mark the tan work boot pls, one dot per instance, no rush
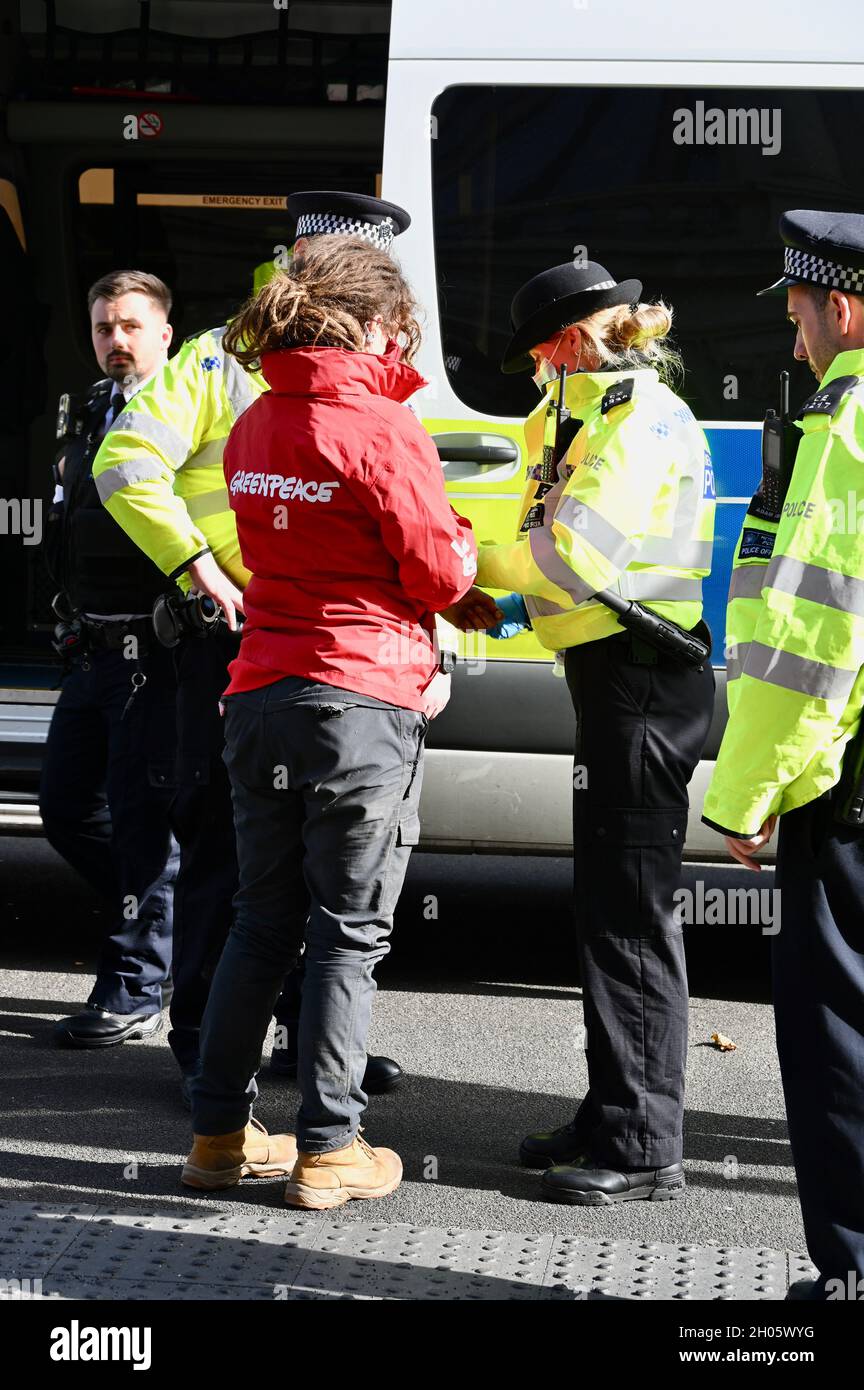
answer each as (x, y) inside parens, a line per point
(221, 1160)
(321, 1181)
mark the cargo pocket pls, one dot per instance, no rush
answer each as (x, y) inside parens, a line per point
(408, 830)
(162, 773)
(632, 865)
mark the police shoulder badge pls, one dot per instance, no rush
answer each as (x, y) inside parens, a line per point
(826, 400)
(618, 394)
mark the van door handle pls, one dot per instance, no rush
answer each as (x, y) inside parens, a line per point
(492, 457)
(479, 453)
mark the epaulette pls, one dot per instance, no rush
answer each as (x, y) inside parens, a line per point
(826, 401)
(98, 391)
(618, 394)
(193, 337)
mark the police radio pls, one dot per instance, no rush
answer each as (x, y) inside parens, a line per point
(780, 440)
(547, 473)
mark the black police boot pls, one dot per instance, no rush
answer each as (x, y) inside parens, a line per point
(96, 1027)
(805, 1291)
(382, 1073)
(562, 1145)
(187, 1076)
(586, 1184)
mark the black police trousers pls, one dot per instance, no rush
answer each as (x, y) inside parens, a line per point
(818, 976)
(105, 800)
(203, 823)
(641, 722)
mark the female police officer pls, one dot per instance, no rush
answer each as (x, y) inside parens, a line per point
(631, 511)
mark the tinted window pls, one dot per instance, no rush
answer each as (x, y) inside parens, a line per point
(205, 250)
(522, 175)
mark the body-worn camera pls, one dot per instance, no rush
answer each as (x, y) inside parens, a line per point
(176, 616)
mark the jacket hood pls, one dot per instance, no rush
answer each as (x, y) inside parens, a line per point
(329, 371)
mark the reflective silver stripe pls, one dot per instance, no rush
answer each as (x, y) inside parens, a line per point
(238, 388)
(611, 543)
(798, 673)
(677, 554)
(747, 581)
(173, 445)
(547, 559)
(208, 504)
(819, 585)
(123, 474)
(638, 585)
(735, 659)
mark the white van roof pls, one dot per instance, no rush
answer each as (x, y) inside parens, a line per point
(624, 30)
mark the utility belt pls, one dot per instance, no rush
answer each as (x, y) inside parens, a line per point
(635, 649)
(77, 635)
(111, 635)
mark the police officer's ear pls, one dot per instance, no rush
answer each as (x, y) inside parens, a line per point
(846, 312)
(167, 335)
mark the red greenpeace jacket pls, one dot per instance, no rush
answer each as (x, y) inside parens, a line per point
(344, 522)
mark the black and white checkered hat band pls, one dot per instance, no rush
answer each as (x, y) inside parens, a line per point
(329, 223)
(804, 266)
(601, 285)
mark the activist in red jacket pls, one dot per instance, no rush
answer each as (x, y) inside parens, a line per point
(344, 522)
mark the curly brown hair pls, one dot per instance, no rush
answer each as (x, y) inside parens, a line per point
(324, 299)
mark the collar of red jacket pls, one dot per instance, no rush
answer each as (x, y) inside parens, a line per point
(329, 371)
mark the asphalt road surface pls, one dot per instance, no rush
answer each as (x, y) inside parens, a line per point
(481, 1006)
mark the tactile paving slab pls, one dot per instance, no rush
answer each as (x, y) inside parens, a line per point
(417, 1263)
(84, 1252)
(32, 1237)
(180, 1249)
(656, 1270)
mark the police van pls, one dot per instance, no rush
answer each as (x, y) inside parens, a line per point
(662, 140)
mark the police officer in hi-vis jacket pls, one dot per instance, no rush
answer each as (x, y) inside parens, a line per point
(631, 511)
(793, 745)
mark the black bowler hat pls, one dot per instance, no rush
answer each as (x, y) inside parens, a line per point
(325, 212)
(822, 248)
(556, 299)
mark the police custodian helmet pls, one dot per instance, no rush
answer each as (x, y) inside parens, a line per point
(325, 212)
(822, 248)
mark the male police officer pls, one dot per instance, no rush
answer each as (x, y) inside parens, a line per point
(160, 475)
(796, 698)
(107, 771)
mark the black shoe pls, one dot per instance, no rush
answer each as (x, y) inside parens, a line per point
(563, 1145)
(187, 1077)
(585, 1184)
(96, 1027)
(805, 1291)
(382, 1073)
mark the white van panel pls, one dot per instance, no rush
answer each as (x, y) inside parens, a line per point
(772, 30)
(522, 803)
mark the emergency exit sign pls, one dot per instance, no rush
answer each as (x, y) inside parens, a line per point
(212, 200)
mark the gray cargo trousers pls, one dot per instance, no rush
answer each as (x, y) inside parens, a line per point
(326, 785)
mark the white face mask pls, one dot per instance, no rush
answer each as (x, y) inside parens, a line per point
(546, 372)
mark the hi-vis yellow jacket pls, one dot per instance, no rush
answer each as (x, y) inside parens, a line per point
(632, 511)
(159, 468)
(799, 647)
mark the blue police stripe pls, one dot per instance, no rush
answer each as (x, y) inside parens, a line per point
(737, 460)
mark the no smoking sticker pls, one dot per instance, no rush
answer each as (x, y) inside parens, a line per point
(150, 123)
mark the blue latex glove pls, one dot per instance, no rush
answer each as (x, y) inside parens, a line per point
(515, 618)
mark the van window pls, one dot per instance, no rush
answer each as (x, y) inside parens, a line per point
(523, 177)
